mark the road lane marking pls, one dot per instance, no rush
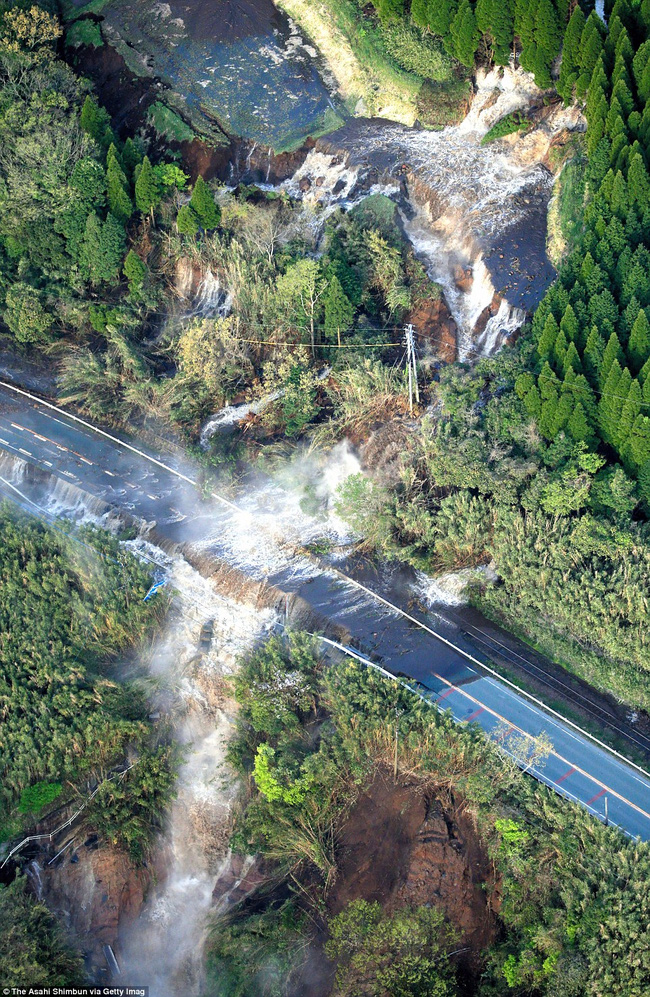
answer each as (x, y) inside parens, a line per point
(474, 715)
(445, 694)
(26, 452)
(510, 729)
(375, 596)
(596, 797)
(565, 776)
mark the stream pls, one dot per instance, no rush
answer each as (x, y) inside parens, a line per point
(464, 206)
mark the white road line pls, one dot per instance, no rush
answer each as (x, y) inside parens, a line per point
(26, 452)
(374, 595)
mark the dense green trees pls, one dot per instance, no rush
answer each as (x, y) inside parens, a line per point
(32, 946)
(66, 186)
(605, 283)
(62, 606)
(558, 869)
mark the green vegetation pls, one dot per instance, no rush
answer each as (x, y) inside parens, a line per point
(34, 799)
(32, 946)
(169, 124)
(416, 52)
(380, 62)
(65, 607)
(566, 211)
(508, 125)
(557, 868)
(400, 954)
(84, 33)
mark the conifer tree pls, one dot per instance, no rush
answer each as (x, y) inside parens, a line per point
(135, 271)
(548, 337)
(439, 16)
(131, 157)
(559, 351)
(638, 347)
(644, 374)
(607, 405)
(571, 360)
(638, 182)
(578, 425)
(591, 47)
(640, 442)
(387, 10)
(562, 414)
(203, 204)
(533, 402)
(102, 249)
(548, 38)
(630, 409)
(465, 34)
(147, 189)
(186, 221)
(644, 85)
(119, 202)
(94, 120)
(338, 310)
(613, 353)
(570, 68)
(569, 324)
(622, 94)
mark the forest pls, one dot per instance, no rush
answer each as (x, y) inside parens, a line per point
(68, 606)
(311, 736)
(537, 459)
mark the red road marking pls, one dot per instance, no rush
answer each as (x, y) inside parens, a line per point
(448, 691)
(505, 733)
(474, 715)
(596, 797)
(565, 776)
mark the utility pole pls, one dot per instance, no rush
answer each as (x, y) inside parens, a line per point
(411, 363)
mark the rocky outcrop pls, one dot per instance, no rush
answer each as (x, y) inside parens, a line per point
(436, 328)
(97, 893)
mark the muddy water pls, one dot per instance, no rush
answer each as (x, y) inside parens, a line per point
(465, 205)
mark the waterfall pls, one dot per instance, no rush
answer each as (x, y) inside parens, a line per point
(164, 948)
(211, 299)
(473, 206)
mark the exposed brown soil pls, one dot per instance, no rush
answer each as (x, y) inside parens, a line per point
(436, 326)
(97, 894)
(404, 845)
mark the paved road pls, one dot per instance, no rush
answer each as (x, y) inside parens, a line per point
(430, 652)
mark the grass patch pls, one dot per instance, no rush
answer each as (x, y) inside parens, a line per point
(84, 33)
(169, 124)
(34, 799)
(416, 52)
(359, 58)
(508, 125)
(442, 104)
(565, 214)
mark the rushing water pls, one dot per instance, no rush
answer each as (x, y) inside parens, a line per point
(164, 948)
(467, 205)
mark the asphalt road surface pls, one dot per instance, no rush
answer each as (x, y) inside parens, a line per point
(429, 651)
